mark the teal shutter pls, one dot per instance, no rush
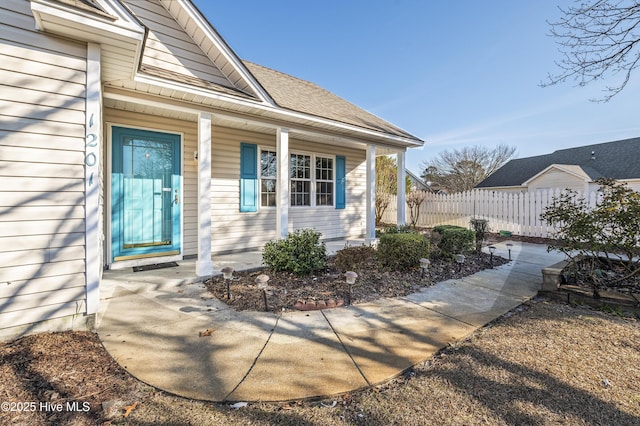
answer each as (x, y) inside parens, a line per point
(341, 182)
(248, 177)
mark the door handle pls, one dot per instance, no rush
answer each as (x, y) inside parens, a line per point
(176, 198)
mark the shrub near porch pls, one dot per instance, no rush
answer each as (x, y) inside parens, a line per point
(402, 251)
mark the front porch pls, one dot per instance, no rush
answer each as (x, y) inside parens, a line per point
(185, 272)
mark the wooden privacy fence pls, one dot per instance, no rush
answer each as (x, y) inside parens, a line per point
(518, 213)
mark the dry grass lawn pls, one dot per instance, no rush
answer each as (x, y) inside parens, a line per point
(545, 363)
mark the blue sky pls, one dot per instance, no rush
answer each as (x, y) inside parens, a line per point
(452, 73)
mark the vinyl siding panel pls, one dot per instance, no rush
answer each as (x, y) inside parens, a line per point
(558, 179)
(170, 48)
(634, 184)
(189, 131)
(41, 171)
(230, 229)
(38, 285)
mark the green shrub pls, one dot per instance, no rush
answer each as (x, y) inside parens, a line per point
(301, 253)
(402, 251)
(441, 228)
(455, 239)
(480, 227)
(402, 229)
(609, 230)
(354, 258)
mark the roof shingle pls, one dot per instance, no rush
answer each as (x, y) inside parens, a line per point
(303, 96)
(616, 160)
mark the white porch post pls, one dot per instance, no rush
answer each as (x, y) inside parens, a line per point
(370, 232)
(282, 182)
(204, 266)
(402, 189)
(93, 130)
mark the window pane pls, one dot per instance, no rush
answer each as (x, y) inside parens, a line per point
(300, 193)
(324, 193)
(268, 192)
(324, 168)
(268, 164)
(300, 166)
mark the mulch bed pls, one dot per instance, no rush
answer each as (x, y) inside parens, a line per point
(286, 290)
(62, 378)
(602, 275)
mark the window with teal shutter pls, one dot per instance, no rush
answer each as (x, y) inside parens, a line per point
(341, 182)
(248, 177)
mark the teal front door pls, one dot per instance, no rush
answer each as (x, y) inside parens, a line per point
(145, 191)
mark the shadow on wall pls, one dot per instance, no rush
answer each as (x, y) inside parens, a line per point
(42, 253)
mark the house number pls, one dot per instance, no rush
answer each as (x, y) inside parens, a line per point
(90, 158)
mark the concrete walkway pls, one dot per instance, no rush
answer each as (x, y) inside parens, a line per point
(151, 325)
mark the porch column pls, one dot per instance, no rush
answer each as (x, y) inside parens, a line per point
(402, 188)
(92, 211)
(282, 182)
(204, 266)
(370, 232)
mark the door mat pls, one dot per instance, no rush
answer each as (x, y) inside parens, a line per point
(154, 266)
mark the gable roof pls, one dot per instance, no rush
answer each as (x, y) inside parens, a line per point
(306, 97)
(617, 160)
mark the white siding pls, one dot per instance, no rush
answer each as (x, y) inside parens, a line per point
(189, 131)
(170, 48)
(555, 178)
(230, 229)
(41, 171)
(633, 184)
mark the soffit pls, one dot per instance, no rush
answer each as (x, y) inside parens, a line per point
(123, 100)
(106, 23)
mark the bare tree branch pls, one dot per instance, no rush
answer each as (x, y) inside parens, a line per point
(461, 170)
(598, 40)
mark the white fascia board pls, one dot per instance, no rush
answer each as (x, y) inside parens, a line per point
(279, 113)
(95, 26)
(224, 48)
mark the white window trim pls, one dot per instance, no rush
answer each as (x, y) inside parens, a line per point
(333, 180)
(313, 193)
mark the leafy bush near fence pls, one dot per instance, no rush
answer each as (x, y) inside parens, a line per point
(301, 253)
(454, 239)
(609, 230)
(402, 251)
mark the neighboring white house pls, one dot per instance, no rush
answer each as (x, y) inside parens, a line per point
(572, 168)
(131, 133)
(417, 184)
